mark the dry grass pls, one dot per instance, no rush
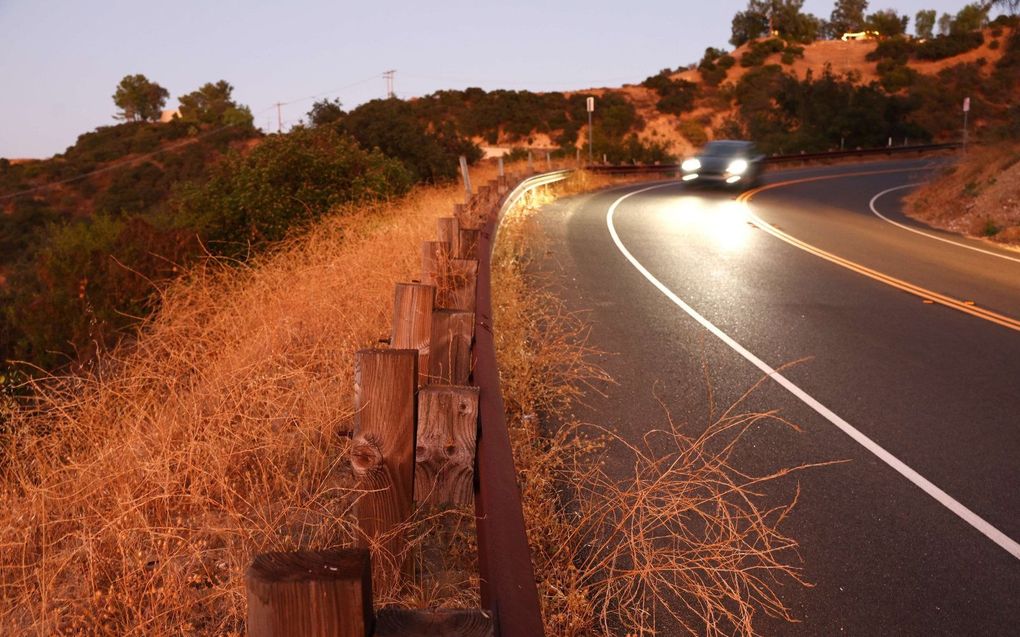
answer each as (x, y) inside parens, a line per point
(686, 542)
(979, 196)
(133, 498)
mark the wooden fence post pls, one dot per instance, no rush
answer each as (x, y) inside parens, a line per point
(456, 289)
(382, 450)
(310, 594)
(468, 244)
(412, 321)
(434, 623)
(445, 452)
(435, 257)
(450, 354)
(448, 230)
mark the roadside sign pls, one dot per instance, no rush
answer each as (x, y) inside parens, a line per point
(591, 104)
(966, 104)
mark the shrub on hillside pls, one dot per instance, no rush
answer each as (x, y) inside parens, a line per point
(286, 181)
(947, 46)
(760, 50)
(391, 125)
(898, 49)
(90, 280)
(693, 132)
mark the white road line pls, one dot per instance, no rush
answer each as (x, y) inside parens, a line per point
(871, 204)
(920, 481)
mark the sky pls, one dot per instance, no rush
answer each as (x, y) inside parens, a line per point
(61, 60)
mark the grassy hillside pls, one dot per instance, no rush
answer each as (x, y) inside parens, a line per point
(788, 96)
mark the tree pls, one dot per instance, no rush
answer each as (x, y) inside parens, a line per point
(847, 17)
(924, 23)
(945, 24)
(887, 23)
(213, 104)
(971, 17)
(139, 99)
(750, 24)
(325, 112)
(1009, 6)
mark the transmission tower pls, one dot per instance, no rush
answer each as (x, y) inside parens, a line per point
(389, 83)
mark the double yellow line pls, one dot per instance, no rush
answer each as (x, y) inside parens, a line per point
(924, 293)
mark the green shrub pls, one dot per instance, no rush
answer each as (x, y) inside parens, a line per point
(286, 181)
(993, 45)
(787, 58)
(947, 46)
(760, 50)
(693, 132)
(898, 49)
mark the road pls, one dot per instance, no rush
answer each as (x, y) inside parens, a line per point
(693, 294)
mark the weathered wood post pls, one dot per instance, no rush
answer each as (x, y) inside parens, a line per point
(310, 594)
(435, 257)
(450, 355)
(468, 244)
(456, 288)
(412, 321)
(445, 452)
(382, 449)
(448, 230)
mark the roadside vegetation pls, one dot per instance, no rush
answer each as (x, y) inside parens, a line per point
(686, 540)
(977, 196)
(134, 493)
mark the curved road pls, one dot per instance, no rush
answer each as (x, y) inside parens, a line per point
(697, 295)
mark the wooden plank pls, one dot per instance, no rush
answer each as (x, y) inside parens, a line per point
(455, 289)
(445, 451)
(310, 593)
(450, 353)
(434, 257)
(412, 321)
(448, 230)
(468, 244)
(382, 450)
(393, 622)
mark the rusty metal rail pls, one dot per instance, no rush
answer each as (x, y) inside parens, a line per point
(887, 151)
(507, 577)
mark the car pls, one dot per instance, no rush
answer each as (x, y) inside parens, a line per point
(726, 161)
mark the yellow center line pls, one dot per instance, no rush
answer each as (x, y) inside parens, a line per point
(966, 307)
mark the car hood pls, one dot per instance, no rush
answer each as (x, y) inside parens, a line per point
(715, 164)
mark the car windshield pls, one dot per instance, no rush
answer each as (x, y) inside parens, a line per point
(726, 149)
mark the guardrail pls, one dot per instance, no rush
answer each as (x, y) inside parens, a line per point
(504, 557)
(429, 430)
(886, 151)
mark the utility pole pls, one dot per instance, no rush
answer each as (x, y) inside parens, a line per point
(389, 83)
(279, 117)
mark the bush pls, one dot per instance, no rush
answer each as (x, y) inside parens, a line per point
(286, 181)
(947, 46)
(693, 132)
(993, 45)
(760, 50)
(897, 49)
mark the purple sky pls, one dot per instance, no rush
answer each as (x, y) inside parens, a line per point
(60, 62)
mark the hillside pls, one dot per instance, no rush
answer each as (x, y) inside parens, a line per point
(672, 113)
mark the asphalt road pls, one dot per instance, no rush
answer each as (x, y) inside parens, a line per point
(929, 386)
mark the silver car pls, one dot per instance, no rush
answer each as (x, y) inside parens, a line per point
(731, 162)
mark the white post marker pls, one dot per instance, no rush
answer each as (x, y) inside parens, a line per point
(500, 165)
(966, 110)
(464, 173)
(590, 105)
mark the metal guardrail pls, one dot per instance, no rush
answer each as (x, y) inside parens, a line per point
(787, 159)
(504, 557)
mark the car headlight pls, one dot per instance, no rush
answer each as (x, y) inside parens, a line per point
(737, 167)
(690, 165)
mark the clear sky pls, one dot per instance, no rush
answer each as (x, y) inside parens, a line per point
(60, 61)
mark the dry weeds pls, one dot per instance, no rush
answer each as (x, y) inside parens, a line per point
(979, 196)
(686, 541)
(133, 498)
